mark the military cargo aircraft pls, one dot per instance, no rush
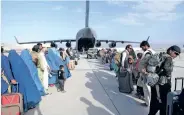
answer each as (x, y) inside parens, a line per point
(86, 38)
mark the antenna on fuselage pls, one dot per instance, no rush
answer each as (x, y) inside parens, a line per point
(87, 14)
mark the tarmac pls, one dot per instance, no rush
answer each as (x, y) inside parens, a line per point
(93, 90)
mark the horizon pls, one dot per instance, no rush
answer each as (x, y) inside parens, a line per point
(130, 20)
(103, 45)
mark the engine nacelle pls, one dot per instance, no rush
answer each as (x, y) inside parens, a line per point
(112, 45)
(68, 44)
(98, 44)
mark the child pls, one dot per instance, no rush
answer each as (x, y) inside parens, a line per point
(139, 56)
(140, 93)
(61, 78)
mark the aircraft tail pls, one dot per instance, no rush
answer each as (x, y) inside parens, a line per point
(87, 14)
(148, 38)
(16, 40)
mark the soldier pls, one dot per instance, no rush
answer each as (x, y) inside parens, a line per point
(164, 83)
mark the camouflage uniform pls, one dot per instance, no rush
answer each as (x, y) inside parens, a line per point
(164, 87)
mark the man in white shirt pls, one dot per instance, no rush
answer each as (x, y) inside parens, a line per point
(146, 89)
(125, 54)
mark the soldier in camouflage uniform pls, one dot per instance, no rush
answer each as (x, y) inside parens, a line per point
(165, 73)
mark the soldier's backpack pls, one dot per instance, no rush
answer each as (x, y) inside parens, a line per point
(153, 67)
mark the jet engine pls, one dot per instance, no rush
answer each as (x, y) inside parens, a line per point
(98, 44)
(112, 44)
(68, 44)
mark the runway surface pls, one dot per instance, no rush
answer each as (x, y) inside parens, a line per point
(93, 90)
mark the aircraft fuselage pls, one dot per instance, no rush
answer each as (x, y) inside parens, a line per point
(85, 38)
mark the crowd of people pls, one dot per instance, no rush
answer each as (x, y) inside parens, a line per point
(150, 71)
(32, 71)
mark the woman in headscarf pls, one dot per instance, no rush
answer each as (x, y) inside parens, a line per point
(125, 77)
(52, 76)
(102, 55)
(5, 87)
(27, 87)
(132, 53)
(46, 69)
(7, 76)
(25, 55)
(36, 57)
(54, 61)
(116, 62)
(65, 59)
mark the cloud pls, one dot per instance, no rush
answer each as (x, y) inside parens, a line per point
(157, 5)
(130, 19)
(161, 16)
(57, 8)
(115, 2)
(157, 10)
(123, 3)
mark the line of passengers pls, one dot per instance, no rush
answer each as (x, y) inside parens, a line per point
(34, 71)
(141, 74)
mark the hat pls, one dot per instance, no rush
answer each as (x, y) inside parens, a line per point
(176, 49)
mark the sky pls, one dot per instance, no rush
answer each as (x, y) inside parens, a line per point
(129, 20)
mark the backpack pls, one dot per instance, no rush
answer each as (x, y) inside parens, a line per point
(143, 62)
(154, 62)
(153, 65)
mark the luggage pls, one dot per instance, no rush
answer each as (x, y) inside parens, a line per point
(12, 104)
(172, 99)
(125, 82)
(181, 102)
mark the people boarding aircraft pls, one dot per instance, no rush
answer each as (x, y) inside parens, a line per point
(86, 38)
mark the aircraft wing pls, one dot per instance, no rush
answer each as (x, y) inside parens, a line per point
(46, 41)
(121, 41)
